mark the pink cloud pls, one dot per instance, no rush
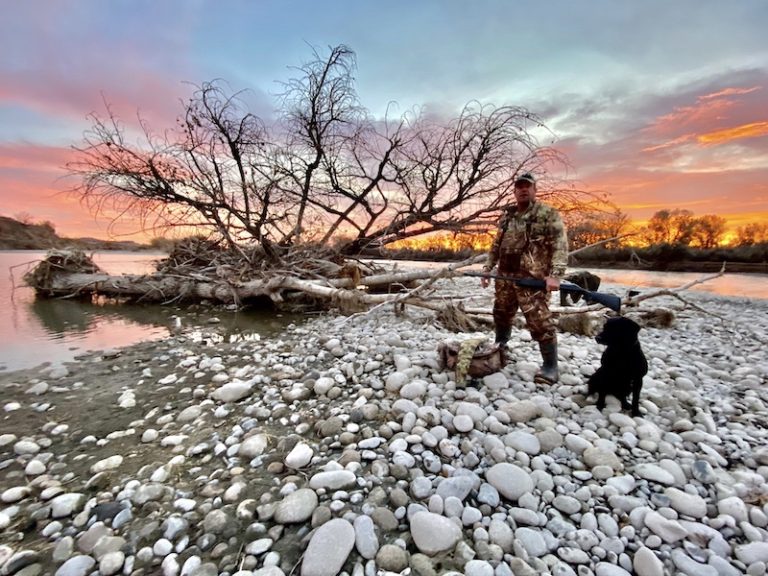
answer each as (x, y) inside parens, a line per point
(155, 97)
(34, 181)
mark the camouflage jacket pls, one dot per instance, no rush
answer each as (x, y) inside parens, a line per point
(532, 243)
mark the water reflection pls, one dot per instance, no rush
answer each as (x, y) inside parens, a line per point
(36, 331)
(60, 317)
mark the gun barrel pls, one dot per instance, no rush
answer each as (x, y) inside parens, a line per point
(607, 300)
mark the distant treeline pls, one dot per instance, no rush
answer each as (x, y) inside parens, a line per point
(677, 257)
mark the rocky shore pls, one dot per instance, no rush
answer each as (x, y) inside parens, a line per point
(341, 448)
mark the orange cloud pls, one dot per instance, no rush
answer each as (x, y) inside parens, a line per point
(679, 140)
(753, 130)
(703, 112)
(730, 92)
(706, 113)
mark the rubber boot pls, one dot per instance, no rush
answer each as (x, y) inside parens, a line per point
(548, 373)
(502, 334)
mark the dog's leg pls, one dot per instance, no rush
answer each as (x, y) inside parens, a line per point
(637, 385)
(625, 405)
(601, 400)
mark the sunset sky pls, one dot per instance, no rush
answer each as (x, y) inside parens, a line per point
(660, 103)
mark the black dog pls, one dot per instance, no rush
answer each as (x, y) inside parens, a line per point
(585, 280)
(622, 365)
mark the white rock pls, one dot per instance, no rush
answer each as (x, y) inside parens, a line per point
(401, 362)
(395, 381)
(253, 446)
(107, 464)
(328, 548)
(456, 486)
(689, 504)
(501, 534)
(14, 494)
(150, 435)
(522, 411)
(37, 389)
(162, 547)
(297, 506)
(403, 458)
(433, 533)
(170, 565)
(523, 441)
(606, 569)
(76, 566)
(752, 552)
(259, 546)
(413, 390)
(34, 468)
(266, 571)
(573, 555)
(6, 439)
(67, 504)
(511, 481)
(190, 413)
(366, 541)
(734, 507)
(654, 473)
(621, 420)
(623, 484)
(566, 504)
(668, 530)
(323, 385)
(646, 563)
(478, 568)
(300, 456)
(111, 563)
(173, 440)
(596, 457)
(577, 443)
(463, 423)
(496, 381)
(532, 540)
(332, 480)
(688, 565)
(232, 391)
(26, 447)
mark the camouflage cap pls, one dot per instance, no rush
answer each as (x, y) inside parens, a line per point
(527, 177)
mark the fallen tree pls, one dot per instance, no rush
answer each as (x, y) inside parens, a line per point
(315, 280)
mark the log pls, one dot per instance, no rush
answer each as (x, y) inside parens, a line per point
(56, 281)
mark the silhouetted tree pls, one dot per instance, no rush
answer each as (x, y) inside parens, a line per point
(670, 227)
(590, 227)
(754, 233)
(708, 230)
(324, 172)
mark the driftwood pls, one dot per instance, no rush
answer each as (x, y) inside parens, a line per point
(65, 274)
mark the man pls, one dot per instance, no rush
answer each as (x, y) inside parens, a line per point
(530, 243)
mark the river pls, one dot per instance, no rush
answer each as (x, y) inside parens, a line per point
(35, 331)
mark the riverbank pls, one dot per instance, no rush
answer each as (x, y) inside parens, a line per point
(187, 456)
(678, 266)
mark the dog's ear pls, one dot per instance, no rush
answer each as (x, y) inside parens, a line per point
(627, 330)
(629, 326)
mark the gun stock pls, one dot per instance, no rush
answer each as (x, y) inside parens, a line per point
(608, 300)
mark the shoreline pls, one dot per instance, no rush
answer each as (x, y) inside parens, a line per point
(703, 267)
(243, 458)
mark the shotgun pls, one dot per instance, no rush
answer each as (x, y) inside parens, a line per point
(607, 300)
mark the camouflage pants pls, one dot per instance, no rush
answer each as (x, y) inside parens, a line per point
(533, 303)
